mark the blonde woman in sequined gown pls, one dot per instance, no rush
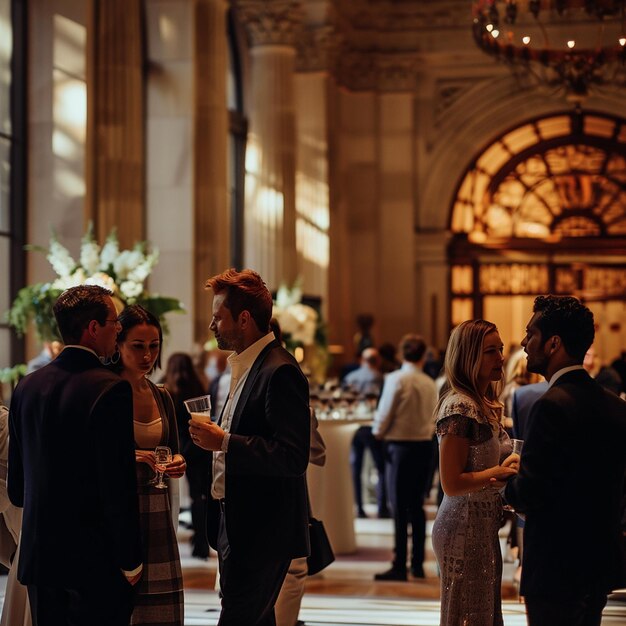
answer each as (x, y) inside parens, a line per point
(475, 462)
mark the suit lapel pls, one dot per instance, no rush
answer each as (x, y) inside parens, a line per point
(249, 384)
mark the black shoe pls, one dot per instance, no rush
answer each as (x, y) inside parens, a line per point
(384, 514)
(418, 572)
(392, 574)
(361, 514)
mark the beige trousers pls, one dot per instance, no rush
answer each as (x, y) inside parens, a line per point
(290, 597)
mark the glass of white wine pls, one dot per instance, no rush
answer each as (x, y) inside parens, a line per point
(162, 457)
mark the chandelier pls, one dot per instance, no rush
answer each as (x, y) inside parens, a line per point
(568, 44)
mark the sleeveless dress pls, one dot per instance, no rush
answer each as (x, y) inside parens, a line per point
(159, 593)
(465, 532)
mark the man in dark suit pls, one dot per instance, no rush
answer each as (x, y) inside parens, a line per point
(571, 474)
(72, 469)
(258, 514)
(523, 399)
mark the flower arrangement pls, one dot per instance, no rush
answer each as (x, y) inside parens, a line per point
(122, 272)
(302, 326)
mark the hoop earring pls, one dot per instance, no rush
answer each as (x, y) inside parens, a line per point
(116, 357)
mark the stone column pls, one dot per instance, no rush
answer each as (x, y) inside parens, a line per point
(116, 172)
(211, 240)
(270, 216)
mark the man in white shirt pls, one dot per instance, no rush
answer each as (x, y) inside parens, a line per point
(404, 420)
(258, 515)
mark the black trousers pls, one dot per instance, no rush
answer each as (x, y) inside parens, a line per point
(95, 604)
(407, 466)
(249, 585)
(364, 440)
(249, 590)
(582, 610)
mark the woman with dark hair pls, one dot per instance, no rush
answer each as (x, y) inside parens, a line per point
(475, 460)
(182, 381)
(159, 596)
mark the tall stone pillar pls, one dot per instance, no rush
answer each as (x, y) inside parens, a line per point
(116, 153)
(270, 213)
(210, 186)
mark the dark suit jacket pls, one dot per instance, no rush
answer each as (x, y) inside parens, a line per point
(72, 468)
(570, 487)
(524, 398)
(266, 511)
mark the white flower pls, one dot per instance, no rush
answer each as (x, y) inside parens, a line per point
(73, 280)
(102, 280)
(60, 259)
(90, 257)
(286, 297)
(131, 289)
(299, 321)
(142, 271)
(126, 262)
(109, 253)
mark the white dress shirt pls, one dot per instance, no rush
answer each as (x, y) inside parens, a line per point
(240, 365)
(407, 404)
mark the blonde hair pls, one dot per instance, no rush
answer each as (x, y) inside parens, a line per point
(462, 366)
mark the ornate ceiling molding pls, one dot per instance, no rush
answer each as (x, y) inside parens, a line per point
(372, 71)
(271, 22)
(317, 48)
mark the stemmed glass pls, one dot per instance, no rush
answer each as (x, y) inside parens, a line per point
(162, 457)
(516, 448)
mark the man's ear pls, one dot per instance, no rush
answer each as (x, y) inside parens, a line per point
(93, 328)
(245, 318)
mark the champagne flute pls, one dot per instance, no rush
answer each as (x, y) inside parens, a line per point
(516, 448)
(162, 457)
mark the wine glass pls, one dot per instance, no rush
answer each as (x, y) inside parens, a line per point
(162, 457)
(516, 448)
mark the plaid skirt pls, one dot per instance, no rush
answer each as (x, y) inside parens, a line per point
(159, 594)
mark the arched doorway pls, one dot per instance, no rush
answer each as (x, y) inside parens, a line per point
(542, 209)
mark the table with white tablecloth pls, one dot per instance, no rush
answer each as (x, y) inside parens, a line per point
(330, 486)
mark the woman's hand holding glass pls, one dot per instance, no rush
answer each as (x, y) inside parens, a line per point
(177, 467)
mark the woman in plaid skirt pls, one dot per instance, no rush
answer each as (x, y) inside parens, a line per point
(159, 600)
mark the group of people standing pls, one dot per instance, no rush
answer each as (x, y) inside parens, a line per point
(98, 537)
(571, 467)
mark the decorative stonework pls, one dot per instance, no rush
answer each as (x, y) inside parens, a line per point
(316, 49)
(448, 92)
(394, 16)
(378, 72)
(271, 22)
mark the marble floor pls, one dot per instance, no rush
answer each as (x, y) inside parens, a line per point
(345, 594)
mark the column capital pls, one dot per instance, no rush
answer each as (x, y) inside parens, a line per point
(270, 22)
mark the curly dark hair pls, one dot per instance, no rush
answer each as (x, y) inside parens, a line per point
(245, 291)
(568, 318)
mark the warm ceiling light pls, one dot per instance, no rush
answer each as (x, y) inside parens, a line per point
(588, 55)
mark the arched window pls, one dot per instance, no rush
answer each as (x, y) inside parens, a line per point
(542, 209)
(553, 178)
(12, 168)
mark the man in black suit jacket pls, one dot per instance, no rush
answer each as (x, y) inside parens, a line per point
(257, 519)
(571, 474)
(72, 468)
(524, 398)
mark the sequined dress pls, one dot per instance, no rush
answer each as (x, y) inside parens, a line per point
(465, 532)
